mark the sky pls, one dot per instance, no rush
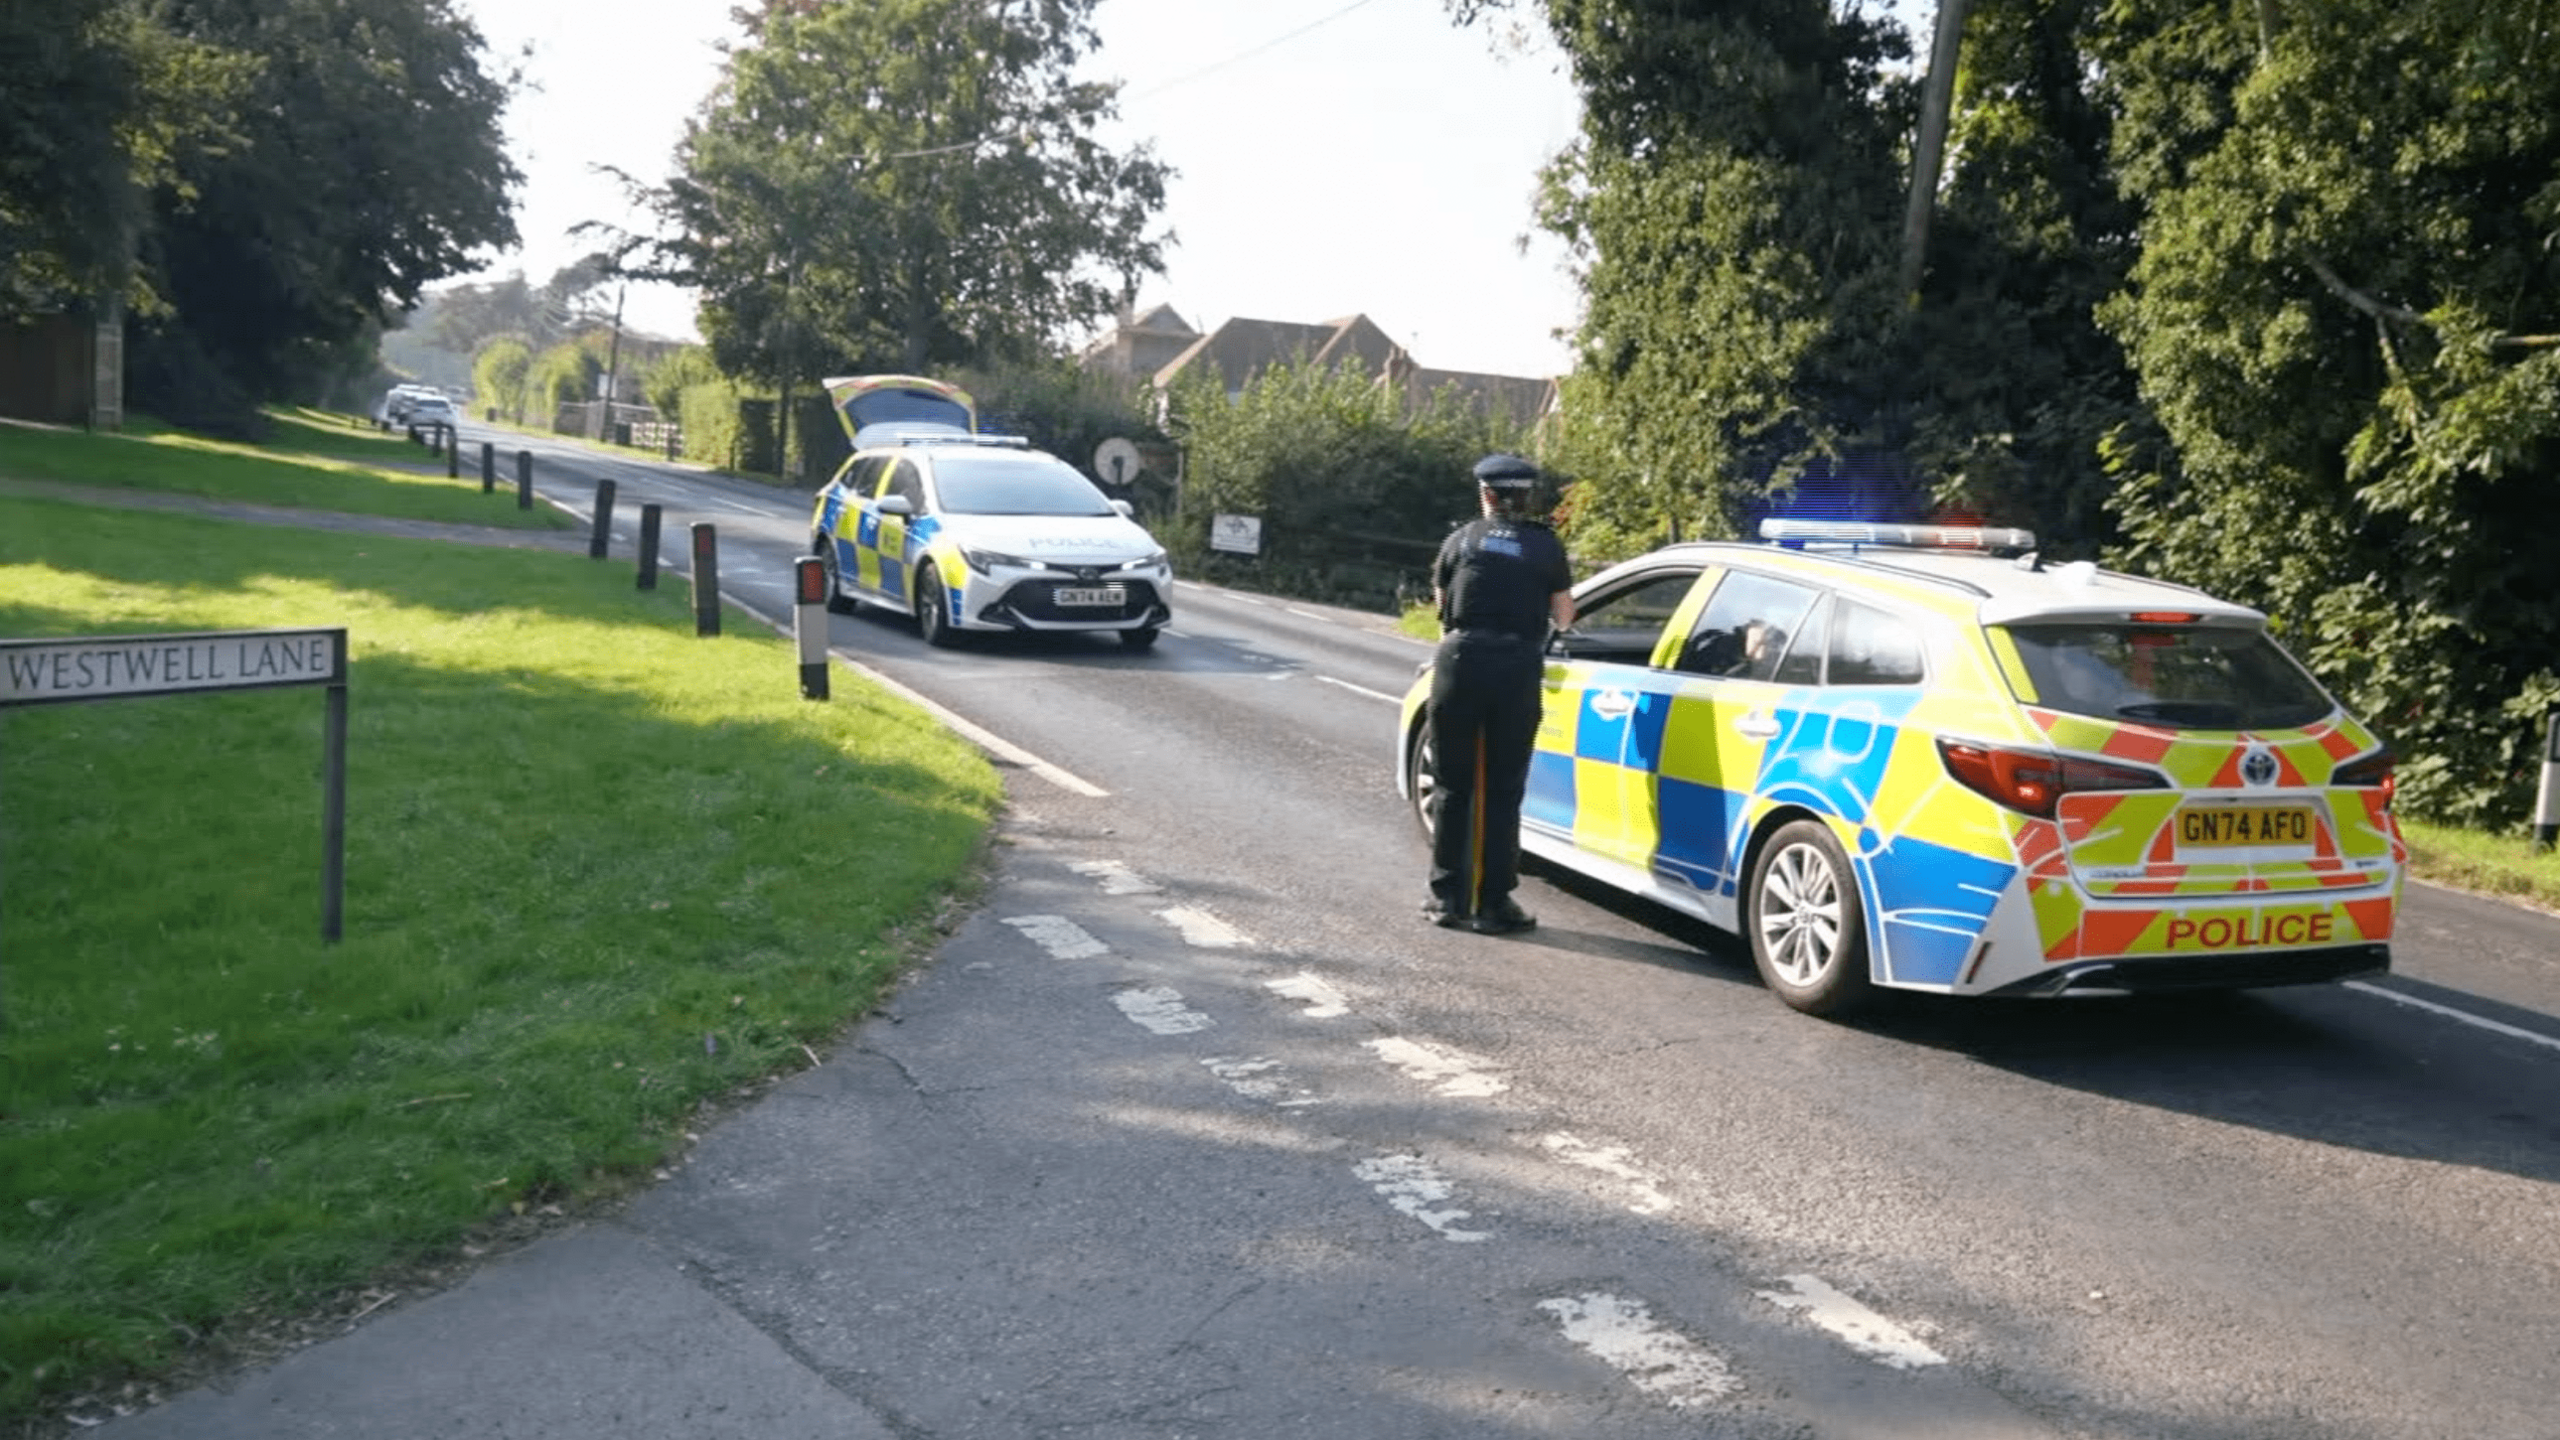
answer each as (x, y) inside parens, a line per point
(1332, 157)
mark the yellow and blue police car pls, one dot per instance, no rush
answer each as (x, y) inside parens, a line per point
(1920, 758)
(973, 532)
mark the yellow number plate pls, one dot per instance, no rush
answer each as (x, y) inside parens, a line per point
(2243, 826)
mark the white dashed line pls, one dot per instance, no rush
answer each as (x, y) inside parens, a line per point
(2494, 1027)
(1260, 1079)
(1063, 938)
(1363, 690)
(1203, 929)
(1116, 878)
(1446, 1071)
(1671, 1368)
(1613, 1161)
(1160, 1009)
(1323, 1002)
(1410, 1185)
(1858, 1327)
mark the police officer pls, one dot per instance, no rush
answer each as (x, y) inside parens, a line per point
(1500, 582)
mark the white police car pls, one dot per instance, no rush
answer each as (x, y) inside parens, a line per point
(970, 532)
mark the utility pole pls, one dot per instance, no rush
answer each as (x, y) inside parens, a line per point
(612, 363)
(1937, 99)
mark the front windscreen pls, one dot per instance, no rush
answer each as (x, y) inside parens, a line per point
(2179, 677)
(1014, 485)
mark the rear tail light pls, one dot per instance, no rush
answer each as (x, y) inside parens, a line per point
(2374, 770)
(2032, 781)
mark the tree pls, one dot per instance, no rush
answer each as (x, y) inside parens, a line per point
(499, 375)
(368, 163)
(2347, 315)
(99, 104)
(904, 184)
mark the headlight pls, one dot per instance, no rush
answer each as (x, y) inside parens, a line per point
(1152, 560)
(986, 561)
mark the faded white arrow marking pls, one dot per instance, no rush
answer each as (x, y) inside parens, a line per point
(1160, 1009)
(1063, 938)
(1444, 1070)
(1613, 1161)
(1671, 1368)
(1323, 1002)
(1858, 1327)
(1410, 1185)
(1116, 878)
(1260, 1079)
(1201, 928)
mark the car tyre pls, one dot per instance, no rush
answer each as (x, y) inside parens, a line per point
(933, 612)
(1142, 638)
(838, 602)
(1422, 780)
(1808, 931)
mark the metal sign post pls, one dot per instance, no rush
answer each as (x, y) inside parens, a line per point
(118, 667)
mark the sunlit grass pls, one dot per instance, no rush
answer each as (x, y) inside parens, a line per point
(2508, 864)
(598, 869)
(313, 466)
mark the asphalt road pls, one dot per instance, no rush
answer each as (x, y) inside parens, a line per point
(1197, 1130)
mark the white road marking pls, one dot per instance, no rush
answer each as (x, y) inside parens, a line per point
(1322, 1000)
(1671, 1368)
(1445, 1070)
(1410, 1184)
(2495, 1027)
(1201, 928)
(1858, 1327)
(1063, 938)
(1613, 1161)
(1363, 690)
(1116, 878)
(1310, 614)
(1160, 1009)
(1261, 1079)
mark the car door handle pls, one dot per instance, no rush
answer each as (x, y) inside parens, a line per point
(1758, 725)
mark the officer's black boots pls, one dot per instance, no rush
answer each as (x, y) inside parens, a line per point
(1438, 913)
(1505, 917)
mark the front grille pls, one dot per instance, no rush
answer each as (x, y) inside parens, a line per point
(1035, 600)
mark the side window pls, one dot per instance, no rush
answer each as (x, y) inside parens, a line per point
(1746, 627)
(862, 475)
(905, 481)
(1869, 647)
(1803, 665)
(1621, 626)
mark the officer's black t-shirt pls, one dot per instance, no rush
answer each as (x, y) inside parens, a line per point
(1498, 574)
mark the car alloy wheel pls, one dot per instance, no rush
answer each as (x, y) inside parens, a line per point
(933, 615)
(1808, 932)
(837, 601)
(1422, 779)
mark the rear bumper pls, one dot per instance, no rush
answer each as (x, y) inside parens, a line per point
(2145, 976)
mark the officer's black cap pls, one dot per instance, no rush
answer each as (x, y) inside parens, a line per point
(1505, 472)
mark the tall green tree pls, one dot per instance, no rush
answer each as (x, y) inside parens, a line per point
(2347, 315)
(99, 105)
(905, 184)
(368, 162)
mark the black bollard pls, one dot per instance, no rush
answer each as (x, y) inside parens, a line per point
(706, 578)
(488, 467)
(524, 479)
(452, 454)
(601, 533)
(649, 547)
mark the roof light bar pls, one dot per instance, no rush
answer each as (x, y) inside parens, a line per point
(1986, 539)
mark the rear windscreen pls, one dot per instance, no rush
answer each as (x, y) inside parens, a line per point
(893, 404)
(2180, 677)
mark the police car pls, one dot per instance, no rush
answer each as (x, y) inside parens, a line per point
(971, 532)
(1920, 758)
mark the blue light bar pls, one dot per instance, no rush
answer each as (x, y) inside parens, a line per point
(1927, 537)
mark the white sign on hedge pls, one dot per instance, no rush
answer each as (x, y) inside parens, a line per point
(1236, 534)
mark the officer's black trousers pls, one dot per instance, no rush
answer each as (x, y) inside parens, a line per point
(1483, 716)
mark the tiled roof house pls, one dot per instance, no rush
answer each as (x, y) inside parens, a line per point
(1242, 348)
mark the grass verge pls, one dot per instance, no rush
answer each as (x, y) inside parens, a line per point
(311, 463)
(599, 872)
(2505, 865)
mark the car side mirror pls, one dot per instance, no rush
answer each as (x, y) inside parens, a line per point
(1127, 510)
(896, 505)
